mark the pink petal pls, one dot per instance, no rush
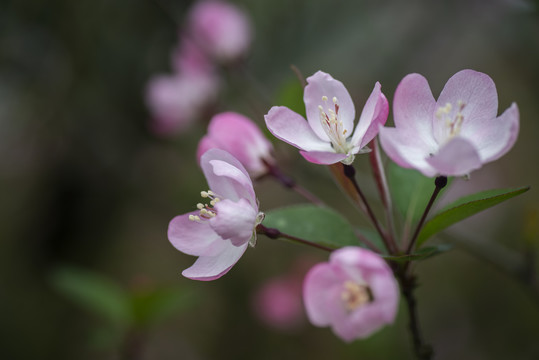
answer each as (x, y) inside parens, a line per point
(319, 287)
(457, 158)
(478, 92)
(413, 108)
(235, 221)
(406, 151)
(239, 136)
(208, 268)
(323, 157)
(194, 238)
(226, 176)
(373, 115)
(498, 137)
(293, 129)
(322, 84)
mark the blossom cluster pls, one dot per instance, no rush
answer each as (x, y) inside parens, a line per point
(356, 291)
(216, 33)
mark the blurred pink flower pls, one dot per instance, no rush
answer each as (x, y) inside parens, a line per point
(220, 231)
(327, 136)
(221, 29)
(355, 293)
(175, 101)
(239, 136)
(278, 303)
(188, 58)
(454, 135)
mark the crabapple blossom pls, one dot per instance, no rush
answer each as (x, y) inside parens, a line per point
(326, 137)
(355, 293)
(175, 101)
(239, 136)
(219, 232)
(454, 135)
(221, 29)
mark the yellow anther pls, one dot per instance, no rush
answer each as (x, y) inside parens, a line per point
(334, 100)
(324, 98)
(200, 206)
(204, 194)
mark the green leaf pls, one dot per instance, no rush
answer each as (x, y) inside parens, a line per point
(95, 293)
(153, 306)
(316, 224)
(291, 96)
(421, 254)
(466, 207)
(410, 191)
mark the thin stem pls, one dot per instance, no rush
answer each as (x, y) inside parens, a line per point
(290, 183)
(408, 283)
(273, 233)
(367, 242)
(383, 189)
(350, 173)
(299, 75)
(440, 182)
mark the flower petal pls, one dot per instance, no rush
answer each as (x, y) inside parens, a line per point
(235, 221)
(457, 158)
(373, 115)
(413, 108)
(323, 157)
(293, 129)
(477, 92)
(226, 176)
(208, 268)
(319, 285)
(194, 238)
(321, 84)
(406, 151)
(498, 137)
(239, 136)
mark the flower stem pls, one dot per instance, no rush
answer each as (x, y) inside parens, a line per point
(350, 173)
(408, 283)
(383, 189)
(273, 233)
(440, 182)
(290, 183)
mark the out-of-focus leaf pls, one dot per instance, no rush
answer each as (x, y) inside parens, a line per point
(94, 292)
(313, 223)
(410, 190)
(291, 96)
(466, 207)
(421, 254)
(150, 307)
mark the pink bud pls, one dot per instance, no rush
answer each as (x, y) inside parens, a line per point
(239, 136)
(222, 29)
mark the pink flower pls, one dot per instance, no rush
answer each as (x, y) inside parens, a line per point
(240, 137)
(454, 135)
(326, 137)
(355, 293)
(219, 232)
(175, 101)
(188, 58)
(221, 29)
(278, 303)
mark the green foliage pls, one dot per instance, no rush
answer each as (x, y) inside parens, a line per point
(466, 207)
(313, 223)
(291, 96)
(410, 191)
(94, 293)
(421, 254)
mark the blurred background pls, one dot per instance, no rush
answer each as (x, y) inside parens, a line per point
(87, 188)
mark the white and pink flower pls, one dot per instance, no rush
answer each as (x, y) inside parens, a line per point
(328, 135)
(454, 135)
(239, 136)
(355, 293)
(220, 231)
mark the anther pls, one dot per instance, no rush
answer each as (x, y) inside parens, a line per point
(324, 98)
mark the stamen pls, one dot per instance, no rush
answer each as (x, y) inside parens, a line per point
(200, 206)
(324, 98)
(355, 295)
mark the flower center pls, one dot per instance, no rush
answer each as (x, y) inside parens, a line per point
(355, 295)
(333, 126)
(452, 124)
(206, 211)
